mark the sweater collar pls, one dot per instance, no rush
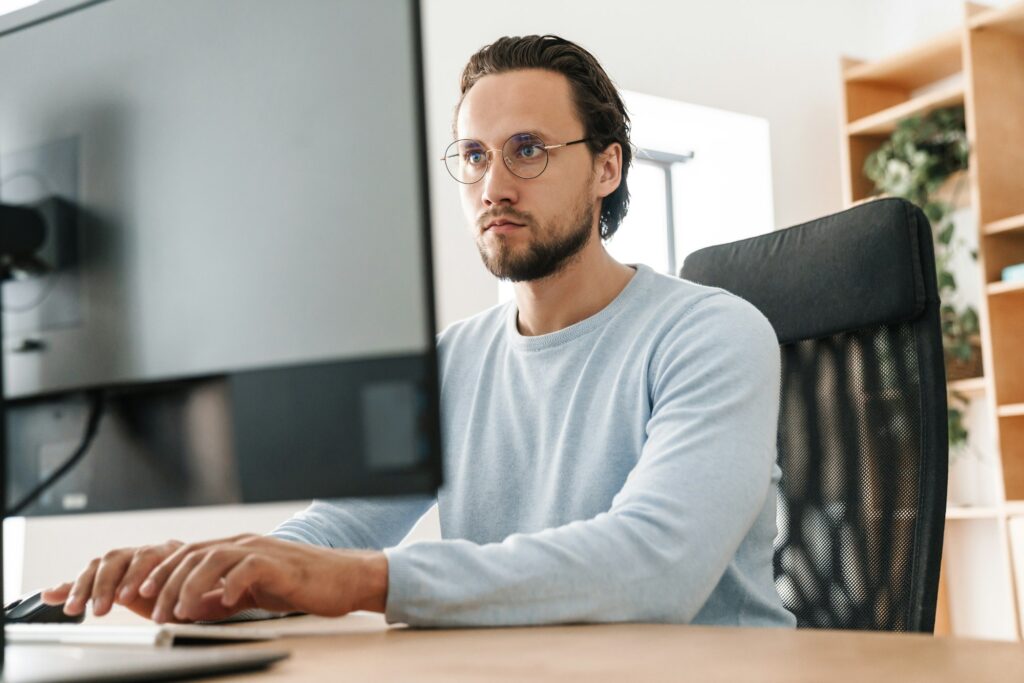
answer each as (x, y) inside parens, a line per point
(630, 292)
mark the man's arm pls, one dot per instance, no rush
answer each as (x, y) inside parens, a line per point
(660, 550)
(137, 577)
(355, 523)
(308, 564)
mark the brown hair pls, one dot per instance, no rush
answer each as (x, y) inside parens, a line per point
(597, 102)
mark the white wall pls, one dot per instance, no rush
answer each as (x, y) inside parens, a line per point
(901, 24)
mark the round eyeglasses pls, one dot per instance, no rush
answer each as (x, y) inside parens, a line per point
(525, 155)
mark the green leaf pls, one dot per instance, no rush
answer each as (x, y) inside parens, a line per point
(969, 320)
(945, 235)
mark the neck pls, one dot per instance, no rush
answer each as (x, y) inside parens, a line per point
(579, 290)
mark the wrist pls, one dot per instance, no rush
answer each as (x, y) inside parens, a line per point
(375, 585)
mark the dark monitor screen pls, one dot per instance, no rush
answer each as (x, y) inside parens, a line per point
(236, 275)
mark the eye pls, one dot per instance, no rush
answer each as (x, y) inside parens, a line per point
(474, 157)
(529, 150)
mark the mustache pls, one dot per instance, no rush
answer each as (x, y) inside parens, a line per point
(505, 214)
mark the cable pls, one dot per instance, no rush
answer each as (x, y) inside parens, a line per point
(91, 427)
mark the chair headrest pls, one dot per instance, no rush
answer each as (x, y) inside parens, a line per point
(870, 265)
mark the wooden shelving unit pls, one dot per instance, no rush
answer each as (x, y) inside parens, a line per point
(885, 121)
(979, 65)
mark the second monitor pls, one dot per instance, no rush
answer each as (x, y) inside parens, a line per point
(249, 295)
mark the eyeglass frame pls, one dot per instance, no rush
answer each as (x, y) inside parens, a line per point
(490, 152)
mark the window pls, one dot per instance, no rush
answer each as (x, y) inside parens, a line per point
(717, 165)
(648, 233)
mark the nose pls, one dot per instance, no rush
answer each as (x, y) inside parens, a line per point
(498, 184)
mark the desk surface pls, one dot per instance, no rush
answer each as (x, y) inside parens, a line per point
(368, 650)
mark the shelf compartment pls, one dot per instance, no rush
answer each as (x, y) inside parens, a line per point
(1006, 325)
(1009, 19)
(1011, 446)
(885, 121)
(970, 388)
(928, 63)
(995, 126)
(1006, 225)
(1001, 249)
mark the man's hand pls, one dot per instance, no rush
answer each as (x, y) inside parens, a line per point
(115, 577)
(214, 579)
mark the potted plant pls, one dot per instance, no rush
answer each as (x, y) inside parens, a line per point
(914, 163)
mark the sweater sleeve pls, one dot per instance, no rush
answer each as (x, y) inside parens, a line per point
(701, 480)
(368, 524)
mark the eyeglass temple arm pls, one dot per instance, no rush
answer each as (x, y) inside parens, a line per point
(566, 144)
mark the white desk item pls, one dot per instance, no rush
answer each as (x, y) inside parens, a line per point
(53, 663)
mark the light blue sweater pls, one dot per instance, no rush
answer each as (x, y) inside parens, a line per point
(621, 469)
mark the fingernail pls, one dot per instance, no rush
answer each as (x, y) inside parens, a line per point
(147, 587)
(179, 611)
(124, 595)
(158, 615)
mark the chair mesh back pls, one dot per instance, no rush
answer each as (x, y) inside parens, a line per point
(850, 451)
(862, 438)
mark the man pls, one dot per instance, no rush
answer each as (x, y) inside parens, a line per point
(609, 437)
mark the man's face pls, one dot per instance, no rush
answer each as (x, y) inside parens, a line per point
(528, 229)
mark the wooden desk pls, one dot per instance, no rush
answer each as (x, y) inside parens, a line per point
(370, 651)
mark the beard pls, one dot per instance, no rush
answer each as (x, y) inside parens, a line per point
(548, 253)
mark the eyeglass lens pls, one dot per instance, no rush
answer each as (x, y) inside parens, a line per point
(523, 153)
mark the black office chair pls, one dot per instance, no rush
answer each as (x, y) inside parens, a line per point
(862, 427)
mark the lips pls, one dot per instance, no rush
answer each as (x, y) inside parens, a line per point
(503, 226)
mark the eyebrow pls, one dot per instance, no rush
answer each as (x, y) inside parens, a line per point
(530, 131)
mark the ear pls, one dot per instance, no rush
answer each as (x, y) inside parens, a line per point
(608, 170)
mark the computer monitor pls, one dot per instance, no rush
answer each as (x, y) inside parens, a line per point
(234, 299)
(237, 269)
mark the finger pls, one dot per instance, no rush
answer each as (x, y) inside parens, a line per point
(245, 575)
(108, 576)
(56, 595)
(81, 590)
(143, 562)
(154, 583)
(163, 610)
(206, 576)
(211, 607)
